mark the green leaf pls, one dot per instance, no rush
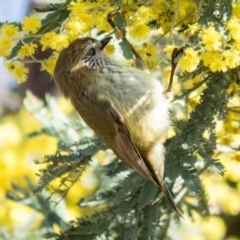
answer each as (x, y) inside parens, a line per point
(148, 193)
(150, 221)
(191, 180)
(131, 233)
(228, 10)
(120, 21)
(190, 161)
(17, 48)
(126, 48)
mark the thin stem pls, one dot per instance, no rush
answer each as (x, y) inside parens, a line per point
(174, 20)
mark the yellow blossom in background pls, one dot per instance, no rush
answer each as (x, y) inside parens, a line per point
(109, 49)
(146, 13)
(186, 7)
(187, 84)
(59, 42)
(190, 60)
(193, 28)
(54, 41)
(233, 25)
(218, 65)
(150, 55)
(5, 46)
(139, 32)
(46, 40)
(27, 50)
(31, 24)
(17, 162)
(236, 45)
(49, 64)
(211, 39)
(236, 158)
(77, 25)
(100, 21)
(17, 69)
(215, 61)
(79, 20)
(232, 58)
(9, 30)
(236, 9)
(20, 72)
(207, 58)
(77, 8)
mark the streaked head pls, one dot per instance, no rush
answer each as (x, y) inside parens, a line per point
(85, 52)
(78, 62)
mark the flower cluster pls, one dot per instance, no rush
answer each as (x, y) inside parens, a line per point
(10, 35)
(219, 45)
(218, 48)
(84, 18)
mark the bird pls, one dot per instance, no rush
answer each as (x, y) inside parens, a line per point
(126, 107)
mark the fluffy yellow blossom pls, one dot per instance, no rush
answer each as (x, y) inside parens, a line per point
(75, 26)
(27, 50)
(233, 26)
(232, 58)
(207, 58)
(150, 49)
(60, 41)
(18, 70)
(187, 84)
(49, 64)
(146, 13)
(31, 24)
(236, 45)
(9, 30)
(214, 60)
(54, 41)
(237, 158)
(211, 39)
(149, 53)
(193, 28)
(236, 9)
(77, 8)
(101, 23)
(46, 40)
(190, 60)
(109, 49)
(140, 31)
(218, 65)
(186, 7)
(5, 46)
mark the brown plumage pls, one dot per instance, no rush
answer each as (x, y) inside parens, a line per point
(124, 106)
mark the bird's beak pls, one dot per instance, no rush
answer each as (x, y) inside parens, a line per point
(104, 42)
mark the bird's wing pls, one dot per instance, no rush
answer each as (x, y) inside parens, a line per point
(108, 123)
(125, 147)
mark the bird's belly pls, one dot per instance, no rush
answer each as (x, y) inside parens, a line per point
(147, 120)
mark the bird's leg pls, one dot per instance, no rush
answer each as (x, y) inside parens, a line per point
(138, 62)
(176, 54)
(120, 33)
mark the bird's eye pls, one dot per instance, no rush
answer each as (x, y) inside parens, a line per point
(92, 51)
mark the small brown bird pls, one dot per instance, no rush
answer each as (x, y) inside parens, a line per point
(124, 106)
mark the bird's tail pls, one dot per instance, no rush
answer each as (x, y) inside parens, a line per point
(168, 195)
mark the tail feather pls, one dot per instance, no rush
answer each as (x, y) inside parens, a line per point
(168, 195)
